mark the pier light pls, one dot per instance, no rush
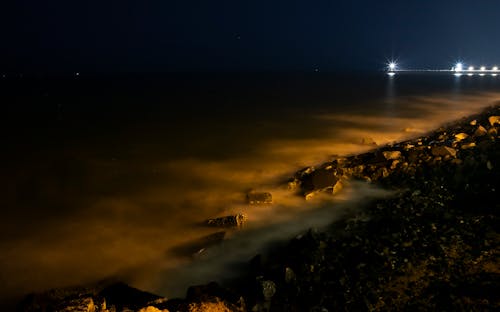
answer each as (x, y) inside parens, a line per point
(483, 68)
(459, 67)
(495, 68)
(471, 68)
(392, 66)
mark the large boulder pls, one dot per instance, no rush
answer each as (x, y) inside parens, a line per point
(318, 181)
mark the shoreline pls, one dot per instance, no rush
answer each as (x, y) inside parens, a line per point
(397, 253)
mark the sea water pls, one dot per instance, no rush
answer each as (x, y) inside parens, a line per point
(108, 177)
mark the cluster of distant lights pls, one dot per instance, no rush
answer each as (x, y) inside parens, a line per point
(458, 70)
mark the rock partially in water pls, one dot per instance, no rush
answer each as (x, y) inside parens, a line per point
(228, 221)
(318, 181)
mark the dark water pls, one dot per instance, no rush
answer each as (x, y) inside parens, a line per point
(105, 177)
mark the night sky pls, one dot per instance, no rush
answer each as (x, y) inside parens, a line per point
(258, 35)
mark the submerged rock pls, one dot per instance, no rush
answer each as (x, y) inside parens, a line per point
(198, 246)
(258, 198)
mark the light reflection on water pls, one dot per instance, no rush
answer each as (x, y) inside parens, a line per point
(124, 212)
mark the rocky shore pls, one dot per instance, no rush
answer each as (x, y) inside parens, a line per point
(434, 245)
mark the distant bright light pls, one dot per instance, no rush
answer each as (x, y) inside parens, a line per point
(392, 65)
(459, 67)
(495, 68)
(471, 67)
(483, 68)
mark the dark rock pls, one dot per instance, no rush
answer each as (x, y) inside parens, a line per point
(122, 295)
(480, 131)
(443, 151)
(319, 181)
(228, 221)
(202, 292)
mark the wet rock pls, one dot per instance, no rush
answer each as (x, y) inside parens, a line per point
(214, 304)
(392, 155)
(468, 145)
(228, 221)
(493, 132)
(318, 181)
(480, 131)
(78, 305)
(259, 198)
(473, 122)
(443, 151)
(304, 172)
(493, 120)
(461, 136)
(293, 184)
